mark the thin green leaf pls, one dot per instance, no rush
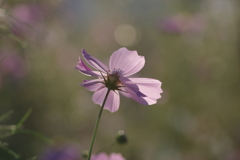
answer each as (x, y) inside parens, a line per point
(9, 151)
(6, 131)
(5, 115)
(32, 158)
(36, 134)
(24, 118)
(24, 23)
(4, 128)
(23, 44)
(5, 135)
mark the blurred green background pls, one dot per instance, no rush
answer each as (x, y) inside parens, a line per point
(191, 46)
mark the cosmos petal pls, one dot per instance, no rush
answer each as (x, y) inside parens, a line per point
(150, 101)
(93, 85)
(140, 99)
(147, 92)
(83, 68)
(149, 87)
(134, 96)
(100, 156)
(128, 62)
(112, 102)
(116, 156)
(94, 62)
(124, 92)
(127, 83)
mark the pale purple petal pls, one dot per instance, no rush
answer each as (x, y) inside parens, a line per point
(113, 99)
(124, 92)
(83, 68)
(94, 62)
(127, 83)
(149, 100)
(116, 156)
(93, 85)
(143, 100)
(149, 87)
(128, 62)
(134, 96)
(99, 156)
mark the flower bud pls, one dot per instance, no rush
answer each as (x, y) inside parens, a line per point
(85, 154)
(121, 138)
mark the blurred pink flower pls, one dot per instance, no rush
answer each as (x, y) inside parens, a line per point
(182, 23)
(25, 18)
(104, 156)
(61, 153)
(27, 13)
(123, 63)
(12, 65)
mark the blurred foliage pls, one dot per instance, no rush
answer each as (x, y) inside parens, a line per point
(7, 131)
(192, 47)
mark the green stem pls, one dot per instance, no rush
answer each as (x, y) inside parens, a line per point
(96, 127)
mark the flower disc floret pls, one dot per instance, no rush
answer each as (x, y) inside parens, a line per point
(112, 81)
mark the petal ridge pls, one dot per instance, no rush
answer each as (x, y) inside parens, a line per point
(112, 102)
(148, 86)
(93, 85)
(127, 61)
(94, 62)
(84, 69)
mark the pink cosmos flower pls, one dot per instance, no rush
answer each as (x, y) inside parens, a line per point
(123, 63)
(104, 156)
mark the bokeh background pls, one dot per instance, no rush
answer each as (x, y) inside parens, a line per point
(191, 46)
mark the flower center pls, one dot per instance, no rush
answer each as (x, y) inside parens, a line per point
(112, 81)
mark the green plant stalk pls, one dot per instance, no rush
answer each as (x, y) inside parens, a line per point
(96, 127)
(22, 120)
